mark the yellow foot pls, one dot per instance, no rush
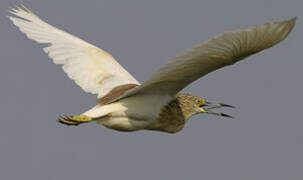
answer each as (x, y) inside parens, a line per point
(74, 120)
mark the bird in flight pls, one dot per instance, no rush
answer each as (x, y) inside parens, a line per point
(157, 104)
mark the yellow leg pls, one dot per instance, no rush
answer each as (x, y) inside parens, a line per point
(74, 120)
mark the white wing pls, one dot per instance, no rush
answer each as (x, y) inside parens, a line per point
(222, 50)
(93, 69)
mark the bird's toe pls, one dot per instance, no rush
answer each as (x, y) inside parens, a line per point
(74, 120)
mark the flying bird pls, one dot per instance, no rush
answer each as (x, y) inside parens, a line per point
(157, 104)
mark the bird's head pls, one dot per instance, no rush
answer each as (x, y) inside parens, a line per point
(192, 105)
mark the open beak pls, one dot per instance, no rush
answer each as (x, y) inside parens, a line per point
(206, 108)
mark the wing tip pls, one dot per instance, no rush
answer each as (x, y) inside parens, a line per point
(292, 22)
(20, 8)
(293, 19)
(288, 26)
(281, 29)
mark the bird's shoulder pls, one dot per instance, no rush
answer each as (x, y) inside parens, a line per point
(115, 93)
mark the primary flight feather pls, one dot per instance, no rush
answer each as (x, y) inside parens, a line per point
(93, 69)
(124, 104)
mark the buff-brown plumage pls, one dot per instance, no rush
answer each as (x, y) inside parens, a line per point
(174, 115)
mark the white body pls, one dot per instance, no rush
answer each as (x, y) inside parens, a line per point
(130, 114)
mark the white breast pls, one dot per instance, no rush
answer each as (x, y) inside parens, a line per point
(141, 107)
(132, 113)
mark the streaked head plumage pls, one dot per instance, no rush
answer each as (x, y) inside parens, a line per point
(192, 105)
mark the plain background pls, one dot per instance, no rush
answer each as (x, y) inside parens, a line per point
(263, 142)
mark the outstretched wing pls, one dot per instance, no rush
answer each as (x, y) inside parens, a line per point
(222, 50)
(93, 69)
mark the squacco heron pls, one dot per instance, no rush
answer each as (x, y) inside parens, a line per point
(157, 104)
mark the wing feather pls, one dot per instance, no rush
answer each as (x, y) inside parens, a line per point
(220, 51)
(93, 69)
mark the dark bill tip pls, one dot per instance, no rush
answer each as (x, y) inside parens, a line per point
(227, 105)
(226, 115)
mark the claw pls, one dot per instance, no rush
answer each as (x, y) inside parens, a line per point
(64, 120)
(74, 120)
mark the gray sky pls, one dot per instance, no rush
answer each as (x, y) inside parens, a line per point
(263, 142)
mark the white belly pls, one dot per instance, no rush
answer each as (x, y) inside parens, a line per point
(131, 113)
